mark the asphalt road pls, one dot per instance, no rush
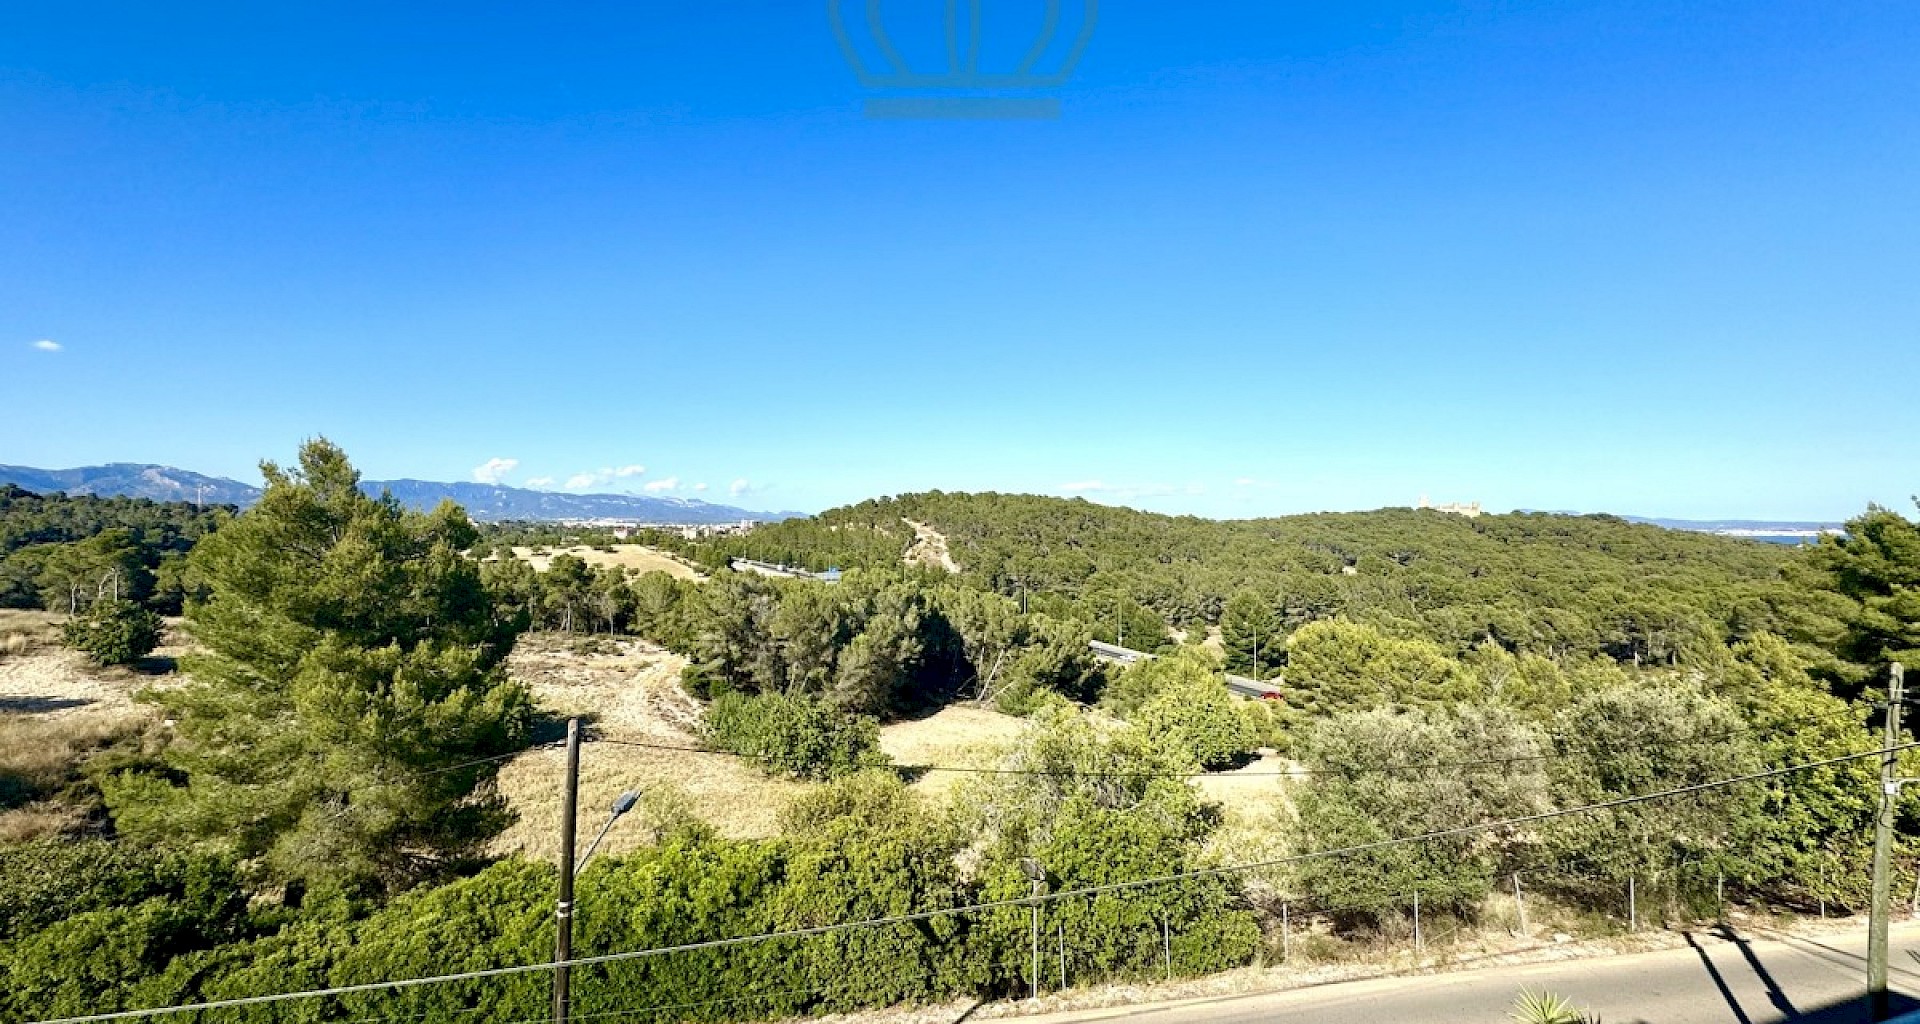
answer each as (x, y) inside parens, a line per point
(1749, 979)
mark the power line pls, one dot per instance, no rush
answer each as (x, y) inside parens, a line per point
(907, 769)
(1023, 901)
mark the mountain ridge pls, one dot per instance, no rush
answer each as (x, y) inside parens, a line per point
(482, 501)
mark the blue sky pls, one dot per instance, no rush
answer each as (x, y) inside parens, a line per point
(1654, 258)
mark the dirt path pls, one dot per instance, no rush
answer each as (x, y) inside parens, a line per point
(929, 548)
(629, 690)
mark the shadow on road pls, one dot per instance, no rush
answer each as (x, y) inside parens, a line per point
(1720, 983)
(1782, 1008)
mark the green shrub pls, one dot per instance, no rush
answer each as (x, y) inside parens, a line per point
(1181, 702)
(802, 736)
(113, 632)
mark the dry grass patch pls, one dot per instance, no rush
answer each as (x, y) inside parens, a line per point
(961, 735)
(42, 791)
(24, 631)
(631, 691)
(637, 557)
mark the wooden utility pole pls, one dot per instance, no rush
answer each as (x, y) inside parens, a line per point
(1883, 849)
(563, 910)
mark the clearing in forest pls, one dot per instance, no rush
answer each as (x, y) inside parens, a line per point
(629, 690)
(637, 557)
(929, 548)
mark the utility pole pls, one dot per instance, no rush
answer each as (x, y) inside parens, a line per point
(563, 910)
(1883, 849)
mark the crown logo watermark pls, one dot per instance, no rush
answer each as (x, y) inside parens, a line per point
(987, 74)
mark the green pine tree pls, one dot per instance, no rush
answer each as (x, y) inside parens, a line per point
(349, 673)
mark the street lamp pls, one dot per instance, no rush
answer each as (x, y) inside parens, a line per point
(621, 805)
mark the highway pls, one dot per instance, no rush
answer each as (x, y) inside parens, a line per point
(1238, 684)
(1714, 979)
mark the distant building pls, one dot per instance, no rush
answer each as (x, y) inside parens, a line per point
(1469, 509)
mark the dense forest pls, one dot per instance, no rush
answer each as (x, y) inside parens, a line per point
(64, 553)
(1555, 585)
(317, 811)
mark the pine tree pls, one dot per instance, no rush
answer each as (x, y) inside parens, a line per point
(350, 672)
(1250, 633)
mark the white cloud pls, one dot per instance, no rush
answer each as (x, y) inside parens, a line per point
(492, 470)
(1244, 481)
(540, 482)
(739, 487)
(1084, 486)
(47, 345)
(603, 476)
(656, 486)
(699, 487)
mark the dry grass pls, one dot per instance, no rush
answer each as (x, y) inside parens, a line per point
(637, 557)
(40, 761)
(959, 734)
(43, 751)
(23, 631)
(631, 690)
(39, 821)
(1251, 793)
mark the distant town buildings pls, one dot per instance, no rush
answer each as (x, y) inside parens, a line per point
(625, 528)
(1469, 509)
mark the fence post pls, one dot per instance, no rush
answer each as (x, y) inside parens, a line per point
(1720, 894)
(1823, 890)
(1166, 946)
(1913, 905)
(1633, 905)
(1419, 946)
(1286, 933)
(1520, 901)
(1062, 929)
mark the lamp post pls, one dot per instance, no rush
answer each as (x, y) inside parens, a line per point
(621, 805)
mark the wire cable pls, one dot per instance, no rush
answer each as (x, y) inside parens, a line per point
(1023, 901)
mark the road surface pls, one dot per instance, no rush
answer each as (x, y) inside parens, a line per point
(1750, 979)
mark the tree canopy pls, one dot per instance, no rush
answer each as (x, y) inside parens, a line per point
(349, 674)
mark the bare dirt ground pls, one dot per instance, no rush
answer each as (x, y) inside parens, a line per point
(41, 679)
(56, 709)
(929, 548)
(630, 689)
(637, 557)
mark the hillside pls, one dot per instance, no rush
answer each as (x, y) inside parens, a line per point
(482, 501)
(1552, 583)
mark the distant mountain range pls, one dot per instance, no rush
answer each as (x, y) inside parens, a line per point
(1752, 529)
(482, 501)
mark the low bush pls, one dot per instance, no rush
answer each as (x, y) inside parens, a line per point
(113, 632)
(801, 736)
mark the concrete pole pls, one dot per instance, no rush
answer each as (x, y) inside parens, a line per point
(1520, 901)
